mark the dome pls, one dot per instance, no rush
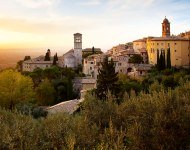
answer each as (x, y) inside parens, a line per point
(165, 20)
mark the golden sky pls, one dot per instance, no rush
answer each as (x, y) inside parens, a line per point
(42, 24)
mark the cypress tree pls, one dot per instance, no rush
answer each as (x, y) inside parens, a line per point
(107, 79)
(56, 58)
(93, 50)
(164, 60)
(158, 60)
(168, 58)
(47, 56)
(161, 60)
(54, 61)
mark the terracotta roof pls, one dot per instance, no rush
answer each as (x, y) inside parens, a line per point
(165, 20)
(171, 38)
(90, 49)
(143, 67)
(140, 40)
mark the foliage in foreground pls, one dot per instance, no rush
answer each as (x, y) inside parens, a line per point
(158, 120)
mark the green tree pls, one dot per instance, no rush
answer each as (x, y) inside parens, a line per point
(107, 79)
(27, 58)
(168, 58)
(45, 93)
(47, 56)
(93, 50)
(55, 59)
(136, 59)
(15, 88)
(164, 60)
(158, 60)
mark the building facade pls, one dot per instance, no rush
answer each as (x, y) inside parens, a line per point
(179, 47)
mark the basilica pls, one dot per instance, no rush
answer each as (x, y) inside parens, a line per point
(70, 59)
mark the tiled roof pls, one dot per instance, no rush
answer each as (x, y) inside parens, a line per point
(67, 107)
(171, 38)
(90, 49)
(140, 40)
(39, 60)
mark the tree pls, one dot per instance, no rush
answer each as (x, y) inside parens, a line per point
(158, 60)
(27, 58)
(55, 59)
(15, 88)
(47, 56)
(45, 93)
(164, 60)
(168, 58)
(136, 59)
(107, 79)
(93, 50)
(19, 65)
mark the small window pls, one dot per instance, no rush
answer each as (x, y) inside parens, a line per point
(140, 72)
(175, 43)
(90, 68)
(157, 43)
(176, 59)
(168, 44)
(175, 50)
(92, 62)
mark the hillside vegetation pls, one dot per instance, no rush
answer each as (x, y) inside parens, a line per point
(157, 120)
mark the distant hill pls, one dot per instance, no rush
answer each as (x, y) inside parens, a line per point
(9, 59)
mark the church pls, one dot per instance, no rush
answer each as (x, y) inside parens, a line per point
(179, 46)
(70, 59)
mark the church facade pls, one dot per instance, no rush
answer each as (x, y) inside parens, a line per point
(70, 59)
(179, 46)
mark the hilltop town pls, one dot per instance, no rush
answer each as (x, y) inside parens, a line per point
(134, 96)
(134, 59)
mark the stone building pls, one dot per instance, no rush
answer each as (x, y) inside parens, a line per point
(179, 47)
(70, 59)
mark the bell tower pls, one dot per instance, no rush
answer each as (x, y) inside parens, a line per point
(166, 28)
(78, 48)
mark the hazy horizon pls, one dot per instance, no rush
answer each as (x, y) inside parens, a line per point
(30, 27)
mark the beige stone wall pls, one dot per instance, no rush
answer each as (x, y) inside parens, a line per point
(179, 51)
(138, 45)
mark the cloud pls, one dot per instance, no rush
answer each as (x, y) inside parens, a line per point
(36, 3)
(90, 3)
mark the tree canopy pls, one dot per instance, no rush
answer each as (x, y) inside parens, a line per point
(15, 88)
(107, 79)
(136, 59)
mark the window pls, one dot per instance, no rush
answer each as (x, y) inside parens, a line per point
(176, 59)
(119, 64)
(175, 50)
(90, 68)
(157, 43)
(175, 43)
(140, 72)
(92, 62)
(168, 44)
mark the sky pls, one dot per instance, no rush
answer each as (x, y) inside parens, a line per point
(36, 25)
